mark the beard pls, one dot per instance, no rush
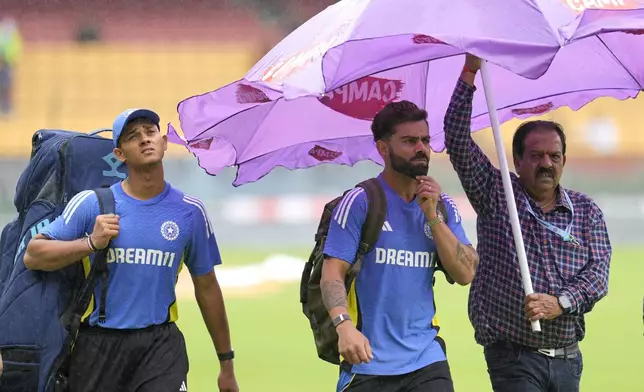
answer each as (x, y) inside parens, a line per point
(409, 168)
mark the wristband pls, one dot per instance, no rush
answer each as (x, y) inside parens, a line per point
(226, 356)
(339, 319)
(91, 245)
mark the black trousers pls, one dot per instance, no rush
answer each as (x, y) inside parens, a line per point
(433, 378)
(143, 360)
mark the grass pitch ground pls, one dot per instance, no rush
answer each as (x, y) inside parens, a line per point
(275, 351)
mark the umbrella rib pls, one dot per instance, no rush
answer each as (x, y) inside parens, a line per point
(228, 118)
(620, 62)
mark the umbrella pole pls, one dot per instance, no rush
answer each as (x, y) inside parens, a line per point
(507, 187)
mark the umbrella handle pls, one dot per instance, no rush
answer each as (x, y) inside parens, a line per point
(507, 186)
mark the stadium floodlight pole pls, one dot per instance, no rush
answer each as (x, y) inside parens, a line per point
(507, 187)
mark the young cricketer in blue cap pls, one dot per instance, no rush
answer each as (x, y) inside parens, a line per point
(157, 229)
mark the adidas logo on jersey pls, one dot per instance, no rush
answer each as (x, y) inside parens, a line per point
(404, 258)
(387, 227)
(183, 387)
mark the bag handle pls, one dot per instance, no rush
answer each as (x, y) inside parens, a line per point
(99, 130)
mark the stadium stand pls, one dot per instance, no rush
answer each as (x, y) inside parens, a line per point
(157, 52)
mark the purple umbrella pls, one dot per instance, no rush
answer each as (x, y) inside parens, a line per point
(311, 99)
(257, 123)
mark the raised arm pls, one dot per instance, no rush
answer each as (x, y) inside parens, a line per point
(475, 171)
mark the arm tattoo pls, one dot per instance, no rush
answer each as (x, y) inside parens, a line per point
(466, 256)
(334, 294)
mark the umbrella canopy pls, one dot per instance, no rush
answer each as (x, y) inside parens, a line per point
(311, 99)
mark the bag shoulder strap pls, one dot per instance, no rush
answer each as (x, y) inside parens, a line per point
(372, 226)
(107, 205)
(59, 371)
(106, 202)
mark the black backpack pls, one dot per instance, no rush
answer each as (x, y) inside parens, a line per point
(324, 334)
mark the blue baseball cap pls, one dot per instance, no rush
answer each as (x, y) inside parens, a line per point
(129, 115)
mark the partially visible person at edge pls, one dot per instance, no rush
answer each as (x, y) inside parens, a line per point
(156, 229)
(10, 51)
(387, 329)
(566, 243)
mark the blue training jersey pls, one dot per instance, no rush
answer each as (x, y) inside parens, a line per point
(393, 292)
(156, 238)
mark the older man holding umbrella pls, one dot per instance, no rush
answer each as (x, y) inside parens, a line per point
(566, 243)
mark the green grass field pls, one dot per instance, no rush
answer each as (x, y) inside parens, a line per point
(275, 351)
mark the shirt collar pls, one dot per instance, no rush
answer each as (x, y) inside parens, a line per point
(562, 202)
